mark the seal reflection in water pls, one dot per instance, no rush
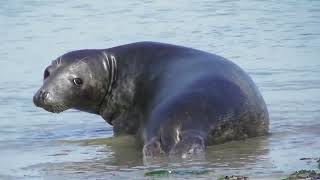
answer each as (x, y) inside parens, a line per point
(176, 99)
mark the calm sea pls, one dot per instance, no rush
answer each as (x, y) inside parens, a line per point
(276, 42)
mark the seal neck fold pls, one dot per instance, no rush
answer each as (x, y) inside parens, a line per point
(109, 63)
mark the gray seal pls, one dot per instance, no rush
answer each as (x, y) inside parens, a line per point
(177, 100)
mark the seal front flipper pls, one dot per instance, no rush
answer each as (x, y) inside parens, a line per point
(177, 124)
(192, 143)
(152, 148)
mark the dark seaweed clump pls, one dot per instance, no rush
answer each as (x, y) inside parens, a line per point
(304, 174)
(233, 178)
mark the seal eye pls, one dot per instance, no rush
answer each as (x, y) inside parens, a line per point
(77, 81)
(46, 74)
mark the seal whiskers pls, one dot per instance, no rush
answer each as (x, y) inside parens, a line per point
(59, 108)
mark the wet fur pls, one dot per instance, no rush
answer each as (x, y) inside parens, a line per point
(176, 99)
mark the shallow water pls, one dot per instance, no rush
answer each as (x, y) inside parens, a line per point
(276, 42)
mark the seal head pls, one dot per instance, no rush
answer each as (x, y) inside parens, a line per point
(81, 80)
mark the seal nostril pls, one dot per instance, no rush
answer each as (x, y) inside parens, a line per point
(43, 95)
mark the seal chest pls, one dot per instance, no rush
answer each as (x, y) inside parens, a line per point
(177, 99)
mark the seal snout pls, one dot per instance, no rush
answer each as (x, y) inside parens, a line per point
(40, 97)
